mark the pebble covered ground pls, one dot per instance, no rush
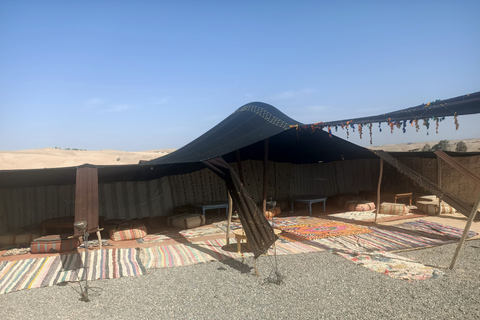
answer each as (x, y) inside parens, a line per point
(316, 286)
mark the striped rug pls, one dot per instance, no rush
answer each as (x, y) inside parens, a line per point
(212, 250)
(407, 235)
(42, 272)
(414, 234)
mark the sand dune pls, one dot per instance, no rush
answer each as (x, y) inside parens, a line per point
(54, 158)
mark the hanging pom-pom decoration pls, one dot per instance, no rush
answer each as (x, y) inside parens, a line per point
(436, 127)
(404, 129)
(380, 126)
(426, 124)
(411, 122)
(370, 129)
(417, 126)
(353, 127)
(336, 128)
(456, 122)
(329, 132)
(348, 133)
(390, 123)
(360, 130)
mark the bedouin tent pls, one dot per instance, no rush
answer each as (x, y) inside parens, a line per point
(249, 130)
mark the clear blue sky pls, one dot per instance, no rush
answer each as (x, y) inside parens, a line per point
(142, 75)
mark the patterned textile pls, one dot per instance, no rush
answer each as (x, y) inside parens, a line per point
(188, 233)
(94, 243)
(393, 208)
(43, 272)
(16, 251)
(302, 232)
(392, 265)
(414, 234)
(431, 207)
(54, 244)
(128, 231)
(370, 216)
(277, 222)
(211, 250)
(359, 205)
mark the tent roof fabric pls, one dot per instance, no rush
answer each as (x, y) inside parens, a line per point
(250, 125)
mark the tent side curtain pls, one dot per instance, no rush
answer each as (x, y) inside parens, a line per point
(458, 204)
(259, 233)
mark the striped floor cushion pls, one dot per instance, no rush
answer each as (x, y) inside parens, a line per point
(359, 205)
(393, 208)
(54, 244)
(431, 207)
(128, 231)
(18, 239)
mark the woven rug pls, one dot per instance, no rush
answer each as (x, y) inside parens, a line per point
(302, 232)
(188, 233)
(392, 265)
(408, 235)
(17, 251)
(212, 250)
(43, 272)
(370, 216)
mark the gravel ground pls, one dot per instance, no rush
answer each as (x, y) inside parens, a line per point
(316, 286)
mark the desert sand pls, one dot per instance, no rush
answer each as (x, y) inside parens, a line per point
(55, 158)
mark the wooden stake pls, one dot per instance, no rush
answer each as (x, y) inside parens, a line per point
(378, 189)
(230, 203)
(465, 232)
(265, 176)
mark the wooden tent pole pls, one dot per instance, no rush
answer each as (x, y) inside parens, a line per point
(439, 167)
(465, 232)
(378, 189)
(265, 176)
(230, 203)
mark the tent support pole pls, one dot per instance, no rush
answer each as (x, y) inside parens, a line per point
(265, 176)
(378, 189)
(230, 203)
(465, 232)
(439, 167)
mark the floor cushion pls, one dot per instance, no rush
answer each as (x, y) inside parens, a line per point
(273, 212)
(55, 243)
(431, 207)
(393, 208)
(129, 230)
(186, 221)
(359, 205)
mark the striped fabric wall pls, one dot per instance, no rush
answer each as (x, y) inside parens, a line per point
(135, 199)
(21, 207)
(457, 184)
(197, 187)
